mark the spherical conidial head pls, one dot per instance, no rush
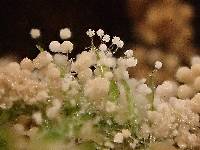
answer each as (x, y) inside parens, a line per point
(184, 75)
(185, 91)
(65, 33)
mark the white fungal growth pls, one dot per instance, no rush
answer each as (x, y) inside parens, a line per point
(60, 59)
(131, 62)
(144, 89)
(90, 33)
(93, 92)
(84, 60)
(106, 38)
(96, 88)
(54, 46)
(35, 33)
(117, 41)
(167, 89)
(42, 60)
(129, 53)
(85, 74)
(185, 91)
(102, 47)
(27, 64)
(66, 47)
(100, 33)
(158, 65)
(184, 75)
(65, 33)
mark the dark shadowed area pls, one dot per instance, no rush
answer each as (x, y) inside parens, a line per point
(19, 16)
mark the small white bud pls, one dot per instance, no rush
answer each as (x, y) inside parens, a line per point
(54, 46)
(115, 40)
(100, 33)
(35, 33)
(90, 33)
(65, 33)
(106, 38)
(66, 47)
(102, 47)
(158, 64)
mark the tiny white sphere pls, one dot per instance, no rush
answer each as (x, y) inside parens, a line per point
(65, 33)
(90, 33)
(106, 38)
(102, 47)
(115, 40)
(185, 91)
(196, 84)
(184, 75)
(35, 33)
(100, 32)
(120, 44)
(158, 64)
(54, 46)
(66, 47)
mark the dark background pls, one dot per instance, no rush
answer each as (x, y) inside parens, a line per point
(17, 17)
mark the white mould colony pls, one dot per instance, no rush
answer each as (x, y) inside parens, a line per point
(89, 103)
